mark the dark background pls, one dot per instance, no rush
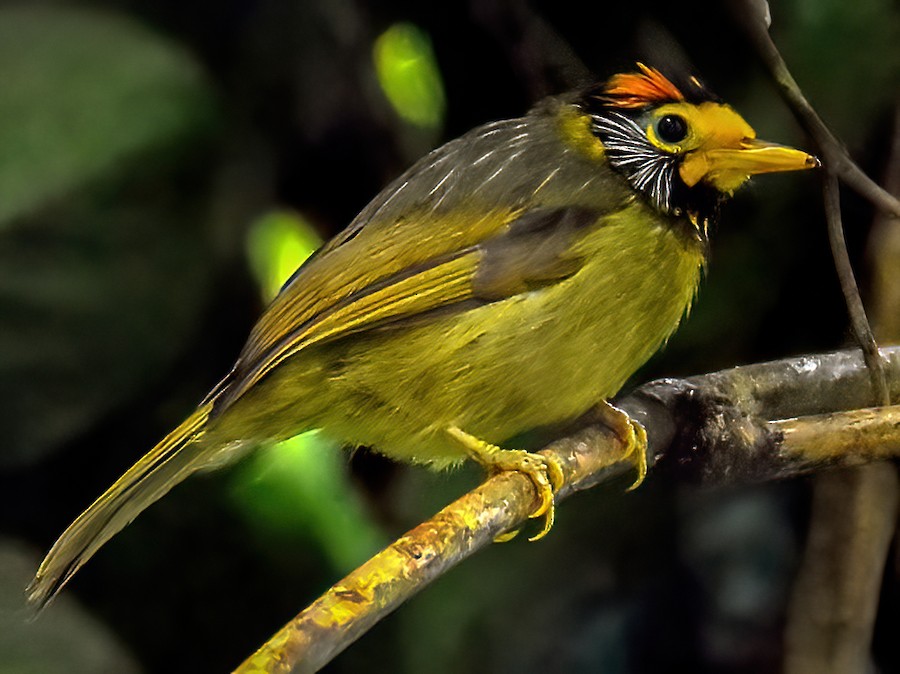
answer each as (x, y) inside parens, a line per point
(140, 143)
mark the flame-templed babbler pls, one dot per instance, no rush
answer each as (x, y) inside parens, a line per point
(512, 279)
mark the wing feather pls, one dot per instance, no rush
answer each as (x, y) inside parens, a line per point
(452, 230)
(442, 284)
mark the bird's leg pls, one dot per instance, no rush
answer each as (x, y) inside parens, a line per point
(543, 471)
(630, 432)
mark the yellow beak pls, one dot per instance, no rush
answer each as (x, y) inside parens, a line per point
(727, 168)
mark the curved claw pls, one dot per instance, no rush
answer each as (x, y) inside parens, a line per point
(632, 435)
(544, 472)
(637, 445)
(552, 472)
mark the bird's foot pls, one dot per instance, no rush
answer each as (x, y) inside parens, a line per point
(543, 471)
(632, 435)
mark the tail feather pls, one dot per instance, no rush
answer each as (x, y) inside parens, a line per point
(171, 461)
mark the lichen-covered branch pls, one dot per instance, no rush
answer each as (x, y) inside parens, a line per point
(757, 422)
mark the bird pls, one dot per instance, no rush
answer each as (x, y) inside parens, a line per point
(510, 280)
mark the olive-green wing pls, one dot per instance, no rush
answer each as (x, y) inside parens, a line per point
(356, 287)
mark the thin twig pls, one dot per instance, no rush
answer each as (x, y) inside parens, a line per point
(832, 614)
(728, 438)
(832, 150)
(838, 164)
(860, 323)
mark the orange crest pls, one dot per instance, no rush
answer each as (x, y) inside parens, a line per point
(638, 90)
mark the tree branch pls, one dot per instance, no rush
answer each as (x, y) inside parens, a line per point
(832, 613)
(748, 423)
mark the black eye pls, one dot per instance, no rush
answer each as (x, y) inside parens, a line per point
(671, 128)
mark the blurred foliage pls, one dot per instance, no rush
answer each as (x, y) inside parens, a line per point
(95, 109)
(278, 243)
(299, 490)
(62, 127)
(68, 641)
(155, 157)
(409, 76)
(824, 47)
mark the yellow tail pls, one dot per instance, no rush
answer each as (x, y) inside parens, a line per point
(164, 466)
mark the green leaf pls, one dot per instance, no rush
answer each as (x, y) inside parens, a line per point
(278, 243)
(104, 267)
(301, 487)
(84, 91)
(409, 75)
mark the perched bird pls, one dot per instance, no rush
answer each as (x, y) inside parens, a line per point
(510, 280)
